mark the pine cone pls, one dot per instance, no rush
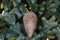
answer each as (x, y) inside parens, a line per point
(30, 23)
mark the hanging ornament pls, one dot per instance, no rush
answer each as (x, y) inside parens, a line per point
(30, 23)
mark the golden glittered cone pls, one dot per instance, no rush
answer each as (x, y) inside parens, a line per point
(30, 23)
